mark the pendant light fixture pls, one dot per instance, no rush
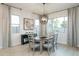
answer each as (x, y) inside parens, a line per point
(44, 17)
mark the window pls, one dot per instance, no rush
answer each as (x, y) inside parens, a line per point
(49, 26)
(15, 24)
(59, 24)
(36, 27)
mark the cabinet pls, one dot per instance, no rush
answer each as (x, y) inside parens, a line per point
(24, 39)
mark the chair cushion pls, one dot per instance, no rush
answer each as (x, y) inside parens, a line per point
(48, 45)
(36, 46)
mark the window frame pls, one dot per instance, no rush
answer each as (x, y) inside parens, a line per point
(15, 24)
(64, 20)
(37, 27)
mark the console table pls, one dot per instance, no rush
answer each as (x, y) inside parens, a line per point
(24, 39)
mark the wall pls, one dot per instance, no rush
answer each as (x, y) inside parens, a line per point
(62, 36)
(16, 38)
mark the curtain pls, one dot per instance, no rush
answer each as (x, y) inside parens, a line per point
(0, 26)
(72, 27)
(6, 26)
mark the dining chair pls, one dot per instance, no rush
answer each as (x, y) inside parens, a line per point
(33, 44)
(49, 45)
(55, 40)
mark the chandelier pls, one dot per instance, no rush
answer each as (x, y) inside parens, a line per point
(44, 17)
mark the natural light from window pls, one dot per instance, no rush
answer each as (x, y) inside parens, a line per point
(15, 24)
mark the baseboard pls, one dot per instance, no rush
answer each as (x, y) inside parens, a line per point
(78, 46)
(0, 47)
(15, 44)
(61, 43)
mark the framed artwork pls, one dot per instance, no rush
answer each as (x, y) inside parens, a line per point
(28, 24)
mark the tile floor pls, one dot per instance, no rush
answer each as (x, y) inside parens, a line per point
(24, 50)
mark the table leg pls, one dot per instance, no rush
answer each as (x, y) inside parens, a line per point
(41, 46)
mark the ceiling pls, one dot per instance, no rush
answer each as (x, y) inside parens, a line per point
(38, 7)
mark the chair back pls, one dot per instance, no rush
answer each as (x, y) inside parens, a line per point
(56, 37)
(51, 39)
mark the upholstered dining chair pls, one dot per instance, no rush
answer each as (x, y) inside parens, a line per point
(49, 45)
(33, 43)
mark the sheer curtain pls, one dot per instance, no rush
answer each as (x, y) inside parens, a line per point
(72, 26)
(6, 26)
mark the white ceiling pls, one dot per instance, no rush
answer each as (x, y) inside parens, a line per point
(38, 7)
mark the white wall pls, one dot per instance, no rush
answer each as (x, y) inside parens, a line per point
(16, 38)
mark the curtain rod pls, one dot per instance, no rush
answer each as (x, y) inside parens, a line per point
(62, 10)
(11, 6)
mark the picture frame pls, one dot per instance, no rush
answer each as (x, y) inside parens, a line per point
(28, 24)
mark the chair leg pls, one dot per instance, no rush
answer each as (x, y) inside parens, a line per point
(53, 49)
(56, 45)
(48, 51)
(41, 48)
(33, 51)
(29, 44)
